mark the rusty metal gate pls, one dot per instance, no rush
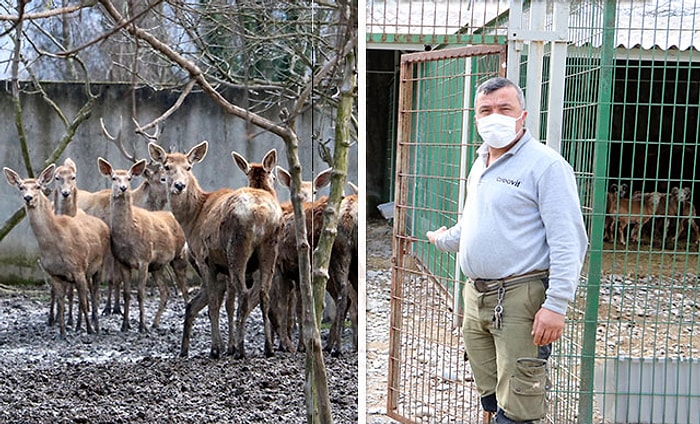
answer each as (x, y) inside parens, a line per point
(429, 380)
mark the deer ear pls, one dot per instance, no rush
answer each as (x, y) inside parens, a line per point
(138, 168)
(270, 160)
(105, 167)
(156, 152)
(283, 176)
(323, 179)
(241, 162)
(12, 177)
(70, 164)
(46, 176)
(198, 152)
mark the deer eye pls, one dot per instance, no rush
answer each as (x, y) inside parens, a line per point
(189, 168)
(73, 178)
(166, 167)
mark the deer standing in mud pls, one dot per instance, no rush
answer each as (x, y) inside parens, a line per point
(231, 233)
(342, 268)
(151, 194)
(285, 288)
(72, 248)
(142, 240)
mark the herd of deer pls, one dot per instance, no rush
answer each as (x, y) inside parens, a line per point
(631, 214)
(241, 242)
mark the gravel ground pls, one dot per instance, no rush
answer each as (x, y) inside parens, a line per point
(379, 234)
(116, 377)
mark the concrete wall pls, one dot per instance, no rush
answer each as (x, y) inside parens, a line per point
(198, 119)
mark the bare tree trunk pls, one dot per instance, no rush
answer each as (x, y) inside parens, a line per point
(71, 127)
(316, 377)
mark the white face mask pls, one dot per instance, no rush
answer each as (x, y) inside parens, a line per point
(497, 130)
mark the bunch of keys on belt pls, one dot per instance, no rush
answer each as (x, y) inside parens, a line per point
(498, 309)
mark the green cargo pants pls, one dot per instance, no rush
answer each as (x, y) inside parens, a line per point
(494, 354)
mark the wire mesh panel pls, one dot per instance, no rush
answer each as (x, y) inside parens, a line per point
(432, 22)
(429, 379)
(633, 91)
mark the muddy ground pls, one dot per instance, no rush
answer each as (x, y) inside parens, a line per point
(116, 377)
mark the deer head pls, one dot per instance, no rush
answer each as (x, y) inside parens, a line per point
(31, 189)
(178, 166)
(259, 175)
(308, 188)
(65, 178)
(121, 179)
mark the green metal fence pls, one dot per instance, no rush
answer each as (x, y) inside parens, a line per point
(630, 128)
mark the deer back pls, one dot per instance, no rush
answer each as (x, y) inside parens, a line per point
(253, 213)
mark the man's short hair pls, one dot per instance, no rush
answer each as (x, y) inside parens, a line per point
(493, 84)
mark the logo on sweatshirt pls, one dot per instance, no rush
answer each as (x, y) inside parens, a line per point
(514, 183)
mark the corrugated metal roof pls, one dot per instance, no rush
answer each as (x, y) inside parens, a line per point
(659, 24)
(646, 24)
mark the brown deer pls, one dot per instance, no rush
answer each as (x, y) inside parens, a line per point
(343, 268)
(71, 248)
(634, 213)
(614, 194)
(229, 232)
(142, 240)
(151, 194)
(285, 291)
(343, 259)
(676, 207)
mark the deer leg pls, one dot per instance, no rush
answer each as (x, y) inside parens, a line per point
(94, 285)
(69, 294)
(282, 311)
(163, 291)
(216, 292)
(141, 296)
(82, 287)
(246, 304)
(126, 280)
(108, 304)
(696, 230)
(191, 310)
(353, 309)
(339, 268)
(117, 281)
(299, 313)
(179, 266)
(232, 295)
(52, 306)
(244, 309)
(622, 226)
(59, 289)
(267, 261)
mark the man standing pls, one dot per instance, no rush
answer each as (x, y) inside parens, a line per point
(521, 243)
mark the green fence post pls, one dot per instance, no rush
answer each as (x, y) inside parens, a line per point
(605, 84)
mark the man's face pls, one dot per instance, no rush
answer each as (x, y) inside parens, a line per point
(503, 101)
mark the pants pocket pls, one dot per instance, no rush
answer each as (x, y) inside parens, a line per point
(527, 400)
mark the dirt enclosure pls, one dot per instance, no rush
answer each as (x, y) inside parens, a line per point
(116, 377)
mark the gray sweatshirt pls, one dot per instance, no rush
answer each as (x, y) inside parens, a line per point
(522, 214)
